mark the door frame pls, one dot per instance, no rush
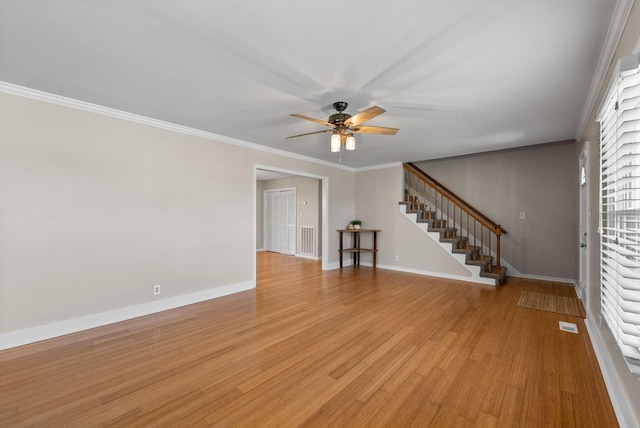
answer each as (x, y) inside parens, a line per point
(583, 220)
(324, 211)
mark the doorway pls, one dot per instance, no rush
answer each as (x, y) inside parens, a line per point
(322, 195)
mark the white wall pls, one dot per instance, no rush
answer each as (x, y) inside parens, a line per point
(96, 210)
(378, 193)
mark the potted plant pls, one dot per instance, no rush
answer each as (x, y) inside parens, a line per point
(355, 224)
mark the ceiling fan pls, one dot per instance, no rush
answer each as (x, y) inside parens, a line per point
(343, 126)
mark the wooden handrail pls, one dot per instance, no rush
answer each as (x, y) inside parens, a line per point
(455, 201)
(461, 202)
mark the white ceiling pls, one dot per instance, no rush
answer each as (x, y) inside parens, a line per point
(456, 77)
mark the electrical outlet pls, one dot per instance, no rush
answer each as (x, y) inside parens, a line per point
(156, 290)
(397, 258)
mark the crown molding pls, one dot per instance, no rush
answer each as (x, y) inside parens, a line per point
(35, 94)
(381, 166)
(616, 27)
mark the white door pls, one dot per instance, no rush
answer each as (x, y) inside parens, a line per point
(290, 222)
(582, 231)
(280, 221)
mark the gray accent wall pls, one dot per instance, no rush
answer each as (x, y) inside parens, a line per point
(540, 181)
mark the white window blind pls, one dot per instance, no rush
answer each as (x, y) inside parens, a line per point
(620, 210)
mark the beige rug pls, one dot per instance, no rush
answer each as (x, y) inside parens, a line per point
(549, 302)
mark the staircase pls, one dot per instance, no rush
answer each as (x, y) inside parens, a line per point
(448, 219)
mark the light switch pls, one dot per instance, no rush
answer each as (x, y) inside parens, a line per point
(522, 216)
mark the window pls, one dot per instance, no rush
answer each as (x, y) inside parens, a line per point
(620, 210)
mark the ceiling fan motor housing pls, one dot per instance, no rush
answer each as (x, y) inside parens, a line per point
(338, 119)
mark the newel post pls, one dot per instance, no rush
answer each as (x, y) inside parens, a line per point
(498, 233)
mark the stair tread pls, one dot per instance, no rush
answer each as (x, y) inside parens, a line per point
(481, 260)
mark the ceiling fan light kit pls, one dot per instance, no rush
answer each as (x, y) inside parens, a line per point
(350, 142)
(344, 125)
(335, 142)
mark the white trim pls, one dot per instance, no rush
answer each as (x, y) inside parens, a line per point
(336, 265)
(305, 256)
(280, 189)
(583, 224)
(74, 325)
(620, 401)
(254, 262)
(288, 171)
(477, 280)
(381, 166)
(482, 280)
(489, 281)
(325, 223)
(260, 250)
(616, 27)
(35, 94)
(625, 63)
(569, 281)
(22, 91)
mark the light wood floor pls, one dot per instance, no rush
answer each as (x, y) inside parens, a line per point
(355, 347)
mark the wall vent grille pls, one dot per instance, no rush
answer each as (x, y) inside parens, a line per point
(308, 240)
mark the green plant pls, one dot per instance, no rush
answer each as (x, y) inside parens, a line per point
(356, 222)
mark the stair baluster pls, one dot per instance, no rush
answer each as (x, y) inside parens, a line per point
(425, 193)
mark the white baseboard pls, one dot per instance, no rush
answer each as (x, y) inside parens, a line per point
(485, 281)
(305, 256)
(543, 278)
(74, 325)
(481, 280)
(620, 401)
(336, 265)
(260, 250)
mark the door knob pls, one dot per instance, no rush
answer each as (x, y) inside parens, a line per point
(583, 245)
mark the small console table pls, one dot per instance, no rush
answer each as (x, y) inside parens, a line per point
(355, 250)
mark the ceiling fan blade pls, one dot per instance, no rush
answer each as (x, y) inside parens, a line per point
(364, 115)
(375, 130)
(310, 133)
(321, 122)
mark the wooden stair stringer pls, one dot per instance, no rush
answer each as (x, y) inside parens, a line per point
(460, 257)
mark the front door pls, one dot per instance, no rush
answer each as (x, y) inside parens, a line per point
(582, 232)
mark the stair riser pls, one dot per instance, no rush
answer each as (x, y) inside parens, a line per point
(460, 248)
